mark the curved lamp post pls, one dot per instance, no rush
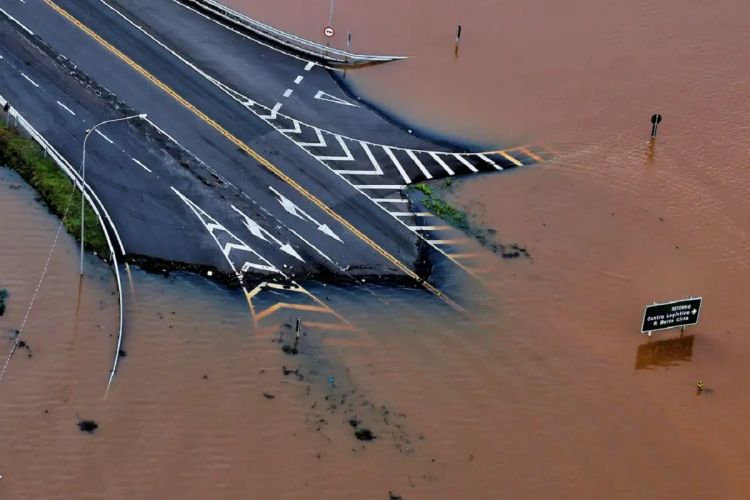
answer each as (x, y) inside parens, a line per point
(83, 171)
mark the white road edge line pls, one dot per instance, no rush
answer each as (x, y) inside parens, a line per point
(17, 22)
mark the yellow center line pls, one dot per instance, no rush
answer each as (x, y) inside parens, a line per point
(252, 153)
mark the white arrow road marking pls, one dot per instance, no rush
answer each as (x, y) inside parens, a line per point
(261, 233)
(293, 209)
(212, 225)
(324, 96)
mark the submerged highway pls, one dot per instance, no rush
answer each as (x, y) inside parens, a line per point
(252, 160)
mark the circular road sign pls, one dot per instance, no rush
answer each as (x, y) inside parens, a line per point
(329, 31)
(656, 119)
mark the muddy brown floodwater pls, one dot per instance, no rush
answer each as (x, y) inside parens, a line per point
(547, 391)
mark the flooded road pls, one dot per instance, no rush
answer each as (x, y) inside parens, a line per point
(547, 387)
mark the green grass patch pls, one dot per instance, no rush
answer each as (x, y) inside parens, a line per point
(27, 158)
(440, 207)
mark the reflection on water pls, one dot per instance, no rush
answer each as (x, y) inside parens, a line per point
(667, 352)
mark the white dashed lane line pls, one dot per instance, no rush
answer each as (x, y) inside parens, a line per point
(298, 80)
(288, 92)
(309, 66)
(63, 106)
(105, 137)
(30, 80)
(141, 165)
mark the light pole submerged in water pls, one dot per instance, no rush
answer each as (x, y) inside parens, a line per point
(83, 172)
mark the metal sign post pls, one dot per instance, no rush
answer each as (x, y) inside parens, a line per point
(676, 314)
(655, 121)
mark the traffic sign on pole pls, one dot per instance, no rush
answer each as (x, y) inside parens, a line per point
(680, 313)
(329, 31)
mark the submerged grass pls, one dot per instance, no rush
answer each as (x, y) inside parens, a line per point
(27, 158)
(432, 202)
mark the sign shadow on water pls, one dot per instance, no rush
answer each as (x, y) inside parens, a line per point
(664, 353)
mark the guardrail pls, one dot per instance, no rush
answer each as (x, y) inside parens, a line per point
(292, 42)
(93, 201)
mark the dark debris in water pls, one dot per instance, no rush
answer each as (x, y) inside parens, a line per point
(3, 296)
(364, 434)
(87, 426)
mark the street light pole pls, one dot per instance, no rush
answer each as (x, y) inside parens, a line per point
(83, 171)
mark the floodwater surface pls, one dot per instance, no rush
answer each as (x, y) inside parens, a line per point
(546, 390)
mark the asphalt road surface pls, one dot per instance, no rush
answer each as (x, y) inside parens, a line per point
(251, 159)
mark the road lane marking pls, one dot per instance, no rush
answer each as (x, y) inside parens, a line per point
(253, 154)
(442, 164)
(293, 209)
(347, 157)
(310, 65)
(30, 80)
(298, 80)
(531, 154)
(454, 241)
(465, 162)
(411, 214)
(295, 307)
(271, 116)
(104, 137)
(63, 106)
(257, 231)
(366, 148)
(325, 96)
(510, 158)
(488, 160)
(141, 165)
(429, 228)
(389, 200)
(212, 225)
(27, 30)
(379, 186)
(395, 161)
(288, 92)
(317, 250)
(419, 163)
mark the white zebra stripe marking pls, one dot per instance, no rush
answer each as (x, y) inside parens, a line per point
(393, 158)
(419, 163)
(465, 162)
(442, 164)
